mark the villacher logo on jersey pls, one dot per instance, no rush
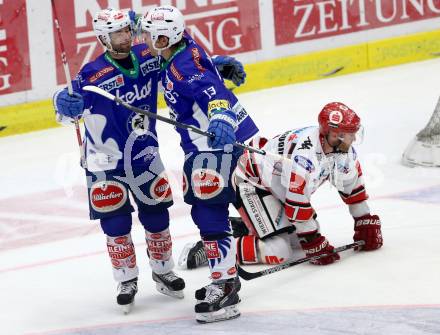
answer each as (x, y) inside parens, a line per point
(160, 189)
(207, 183)
(107, 196)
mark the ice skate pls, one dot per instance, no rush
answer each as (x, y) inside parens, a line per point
(201, 292)
(169, 284)
(193, 256)
(220, 301)
(126, 293)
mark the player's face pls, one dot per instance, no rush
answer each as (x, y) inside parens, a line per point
(121, 40)
(342, 141)
(146, 37)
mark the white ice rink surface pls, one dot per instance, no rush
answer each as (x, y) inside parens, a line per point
(55, 276)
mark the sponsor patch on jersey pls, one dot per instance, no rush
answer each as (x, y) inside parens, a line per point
(101, 74)
(297, 184)
(207, 183)
(240, 112)
(138, 124)
(150, 66)
(138, 94)
(107, 196)
(112, 83)
(145, 52)
(211, 249)
(175, 72)
(217, 105)
(160, 189)
(304, 163)
(196, 58)
(307, 144)
(195, 77)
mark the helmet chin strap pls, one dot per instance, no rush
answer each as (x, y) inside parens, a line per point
(120, 53)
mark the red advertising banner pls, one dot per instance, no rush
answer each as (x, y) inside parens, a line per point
(221, 26)
(300, 20)
(15, 74)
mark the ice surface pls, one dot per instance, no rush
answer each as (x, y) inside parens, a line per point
(55, 277)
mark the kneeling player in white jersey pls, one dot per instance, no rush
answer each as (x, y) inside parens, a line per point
(273, 195)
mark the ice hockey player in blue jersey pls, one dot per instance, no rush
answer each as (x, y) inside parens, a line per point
(196, 95)
(119, 147)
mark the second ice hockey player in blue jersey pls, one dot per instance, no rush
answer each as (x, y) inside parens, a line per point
(196, 95)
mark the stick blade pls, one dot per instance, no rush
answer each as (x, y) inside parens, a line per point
(100, 91)
(247, 275)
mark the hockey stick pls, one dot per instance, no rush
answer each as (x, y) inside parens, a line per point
(196, 130)
(68, 79)
(252, 275)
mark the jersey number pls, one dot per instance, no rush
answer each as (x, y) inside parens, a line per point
(210, 92)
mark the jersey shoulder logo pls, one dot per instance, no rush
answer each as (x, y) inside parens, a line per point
(196, 59)
(307, 144)
(175, 72)
(101, 73)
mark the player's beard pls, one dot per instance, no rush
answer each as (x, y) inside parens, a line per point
(343, 147)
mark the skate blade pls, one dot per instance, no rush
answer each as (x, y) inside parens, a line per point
(183, 258)
(126, 309)
(227, 313)
(164, 290)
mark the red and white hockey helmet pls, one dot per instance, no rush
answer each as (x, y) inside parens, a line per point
(107, 21)
(339, 118)
(164, 21)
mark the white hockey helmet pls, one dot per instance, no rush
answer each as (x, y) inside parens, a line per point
(164, 21)
(107, 21)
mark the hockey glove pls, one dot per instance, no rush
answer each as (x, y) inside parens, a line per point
(230, 69)
(319, 246)
(222, 125)
(367, 228)
(68, 105)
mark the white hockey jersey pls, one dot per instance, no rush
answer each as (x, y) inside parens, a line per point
(301, 170)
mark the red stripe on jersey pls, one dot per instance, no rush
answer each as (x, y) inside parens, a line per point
(249, 166)
(298, 211)
(262, 142)
(248, 249)
(358, 195)
(359, 169)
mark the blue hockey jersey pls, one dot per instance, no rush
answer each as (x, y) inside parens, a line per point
(112, 132)
(193, 87)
